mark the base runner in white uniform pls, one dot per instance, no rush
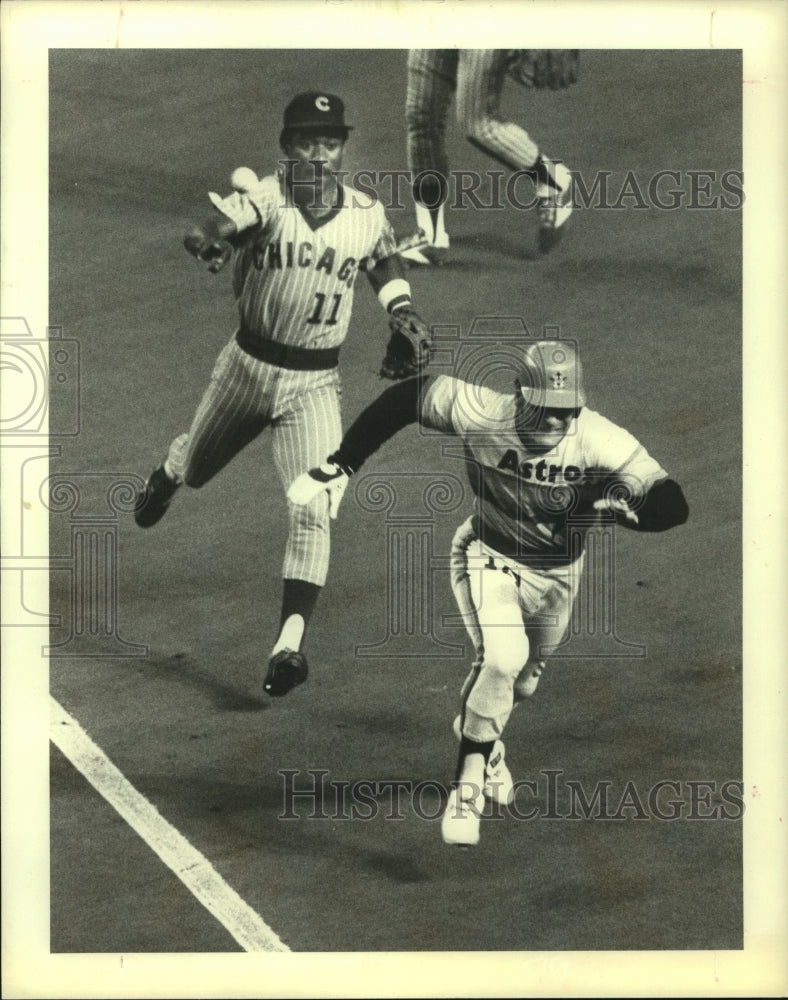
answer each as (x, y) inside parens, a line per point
(477, 78)
(299, 238)
(536, 460)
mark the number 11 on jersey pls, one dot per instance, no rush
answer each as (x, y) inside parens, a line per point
(317, 312)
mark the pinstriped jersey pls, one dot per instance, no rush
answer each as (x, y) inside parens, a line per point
(293, 275)
(524, 498)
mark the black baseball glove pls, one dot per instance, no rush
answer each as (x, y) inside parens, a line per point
(213, 249)
(553, 68)
(409, 346)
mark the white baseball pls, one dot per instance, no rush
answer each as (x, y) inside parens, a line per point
(243, 178)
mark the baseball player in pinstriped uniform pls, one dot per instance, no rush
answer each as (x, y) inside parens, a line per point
(477, 76)
(299, 238)
(543, 468)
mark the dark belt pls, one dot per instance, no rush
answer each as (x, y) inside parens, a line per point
(287, 355)
(534, 560)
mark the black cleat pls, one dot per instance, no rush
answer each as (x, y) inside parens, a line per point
(155, 497)
(286, 670)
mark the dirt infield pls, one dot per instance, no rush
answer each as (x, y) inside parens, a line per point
(172, 694)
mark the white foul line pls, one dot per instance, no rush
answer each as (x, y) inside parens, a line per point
(196, 873)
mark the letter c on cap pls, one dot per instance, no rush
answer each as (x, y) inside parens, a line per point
(321, 103)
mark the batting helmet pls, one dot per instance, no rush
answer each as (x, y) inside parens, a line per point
(551, 375)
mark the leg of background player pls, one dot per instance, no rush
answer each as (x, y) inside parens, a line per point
(481, 74)
(480, 78)
(431, 83)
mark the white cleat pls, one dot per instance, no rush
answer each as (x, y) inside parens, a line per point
(553, 209)
(460, 823)
(498, 783)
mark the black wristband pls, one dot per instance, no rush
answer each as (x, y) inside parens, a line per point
(336, 460)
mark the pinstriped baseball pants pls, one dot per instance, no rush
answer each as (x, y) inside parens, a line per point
(243, 398)
(478, 76)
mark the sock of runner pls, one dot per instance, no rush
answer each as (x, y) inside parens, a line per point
(472, 761)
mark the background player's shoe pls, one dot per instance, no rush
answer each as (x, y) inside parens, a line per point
(431, 254)
(460, 823)
(553, 209)
(286, 669)
(498, 783)
(154, 498)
